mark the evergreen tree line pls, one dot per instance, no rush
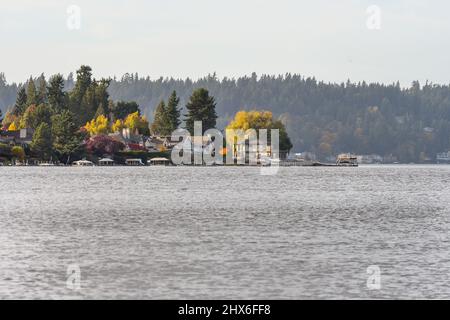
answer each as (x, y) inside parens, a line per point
(411, 123)
(200, 107)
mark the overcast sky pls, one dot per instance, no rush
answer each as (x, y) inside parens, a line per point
(191, 38)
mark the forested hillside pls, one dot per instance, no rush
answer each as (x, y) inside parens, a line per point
(412, 123)
(7, 94)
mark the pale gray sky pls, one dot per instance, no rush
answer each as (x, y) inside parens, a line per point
(191, 38)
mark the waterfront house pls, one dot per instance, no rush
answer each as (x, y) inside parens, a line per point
(153, 145)
(134, 147)
(169, 143)
(159, 143)
(132, 141)
(22, 137)
(243, 151)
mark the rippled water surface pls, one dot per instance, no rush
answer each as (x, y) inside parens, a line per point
(207, 233)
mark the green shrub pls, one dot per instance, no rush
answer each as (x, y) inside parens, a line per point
(18, 152)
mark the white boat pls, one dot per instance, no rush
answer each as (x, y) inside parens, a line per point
(443, 157)
(83, 163)
(347, 160)
(46, 164)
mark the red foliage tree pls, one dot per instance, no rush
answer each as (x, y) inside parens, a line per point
(101, 145)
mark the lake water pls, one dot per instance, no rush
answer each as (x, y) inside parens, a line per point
(213, 233)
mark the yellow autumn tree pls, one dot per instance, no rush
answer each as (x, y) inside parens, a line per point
(12, 127)
(99, 125)
(260, 120)
(252, 120)
(117, 126)
(135, 122)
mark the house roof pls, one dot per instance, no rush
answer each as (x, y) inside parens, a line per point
(135, 147)
(22, 135)
(10, 134)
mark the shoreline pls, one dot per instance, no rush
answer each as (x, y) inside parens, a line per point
(233, 165)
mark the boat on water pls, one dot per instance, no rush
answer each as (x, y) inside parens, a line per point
(443, 157)
(83, 163)
(347, 160)
(46, 164)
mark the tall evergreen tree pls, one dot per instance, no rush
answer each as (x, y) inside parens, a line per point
(201, 107)
(41, 145)
(173, 113)
(65, 136)
(21, 102)
(31, 92)
(35, 115)
(57, 98)
(84, 80)
(102, 95)
(160, 125)
(41, 96)
(88, 95)
(79, 103)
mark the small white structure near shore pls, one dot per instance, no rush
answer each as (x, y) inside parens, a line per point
(106, 162)
(369, 159)
(134, 162)
(83, 163)
(443, 157)
(159, 162)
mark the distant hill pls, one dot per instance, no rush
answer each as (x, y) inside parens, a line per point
(412, 124)
(7, 94)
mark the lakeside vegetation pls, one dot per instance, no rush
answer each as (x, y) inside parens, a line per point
(85, 122)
